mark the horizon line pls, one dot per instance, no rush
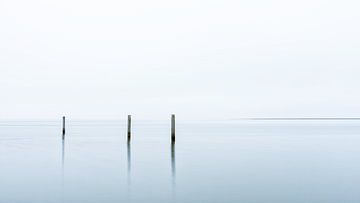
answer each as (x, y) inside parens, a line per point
(303, 118)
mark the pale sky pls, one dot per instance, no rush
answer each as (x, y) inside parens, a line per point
(200, 59)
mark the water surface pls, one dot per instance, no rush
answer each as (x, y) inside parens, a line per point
(221, 161)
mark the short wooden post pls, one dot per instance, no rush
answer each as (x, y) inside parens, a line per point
(63, 130)
(129, 128)
(173, 128)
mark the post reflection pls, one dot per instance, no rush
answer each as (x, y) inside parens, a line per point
(63, 168)
(63, 155)
(129, 161)
(173, 165)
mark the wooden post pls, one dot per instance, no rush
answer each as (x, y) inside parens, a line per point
(173, 128)
(129, 128)
(63, 130)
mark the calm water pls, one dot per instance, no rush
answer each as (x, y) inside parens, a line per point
(233, 161)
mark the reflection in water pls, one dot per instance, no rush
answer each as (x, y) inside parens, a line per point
(63, 168)
(63, 156)
(173, 166)
(129, 161)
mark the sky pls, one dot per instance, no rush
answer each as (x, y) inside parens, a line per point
(199, 59)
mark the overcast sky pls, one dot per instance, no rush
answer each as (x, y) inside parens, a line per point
(200, 59)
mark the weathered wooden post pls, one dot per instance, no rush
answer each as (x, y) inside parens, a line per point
(173, 128)
(63, 130)
(129, 128)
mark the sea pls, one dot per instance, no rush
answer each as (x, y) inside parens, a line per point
(217, 161)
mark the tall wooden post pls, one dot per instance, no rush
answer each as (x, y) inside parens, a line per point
(129, 128)
(63, 130)
(173, 128)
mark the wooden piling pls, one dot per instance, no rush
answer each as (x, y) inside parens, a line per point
(173, 128)
(63, 129)
(129, 128)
